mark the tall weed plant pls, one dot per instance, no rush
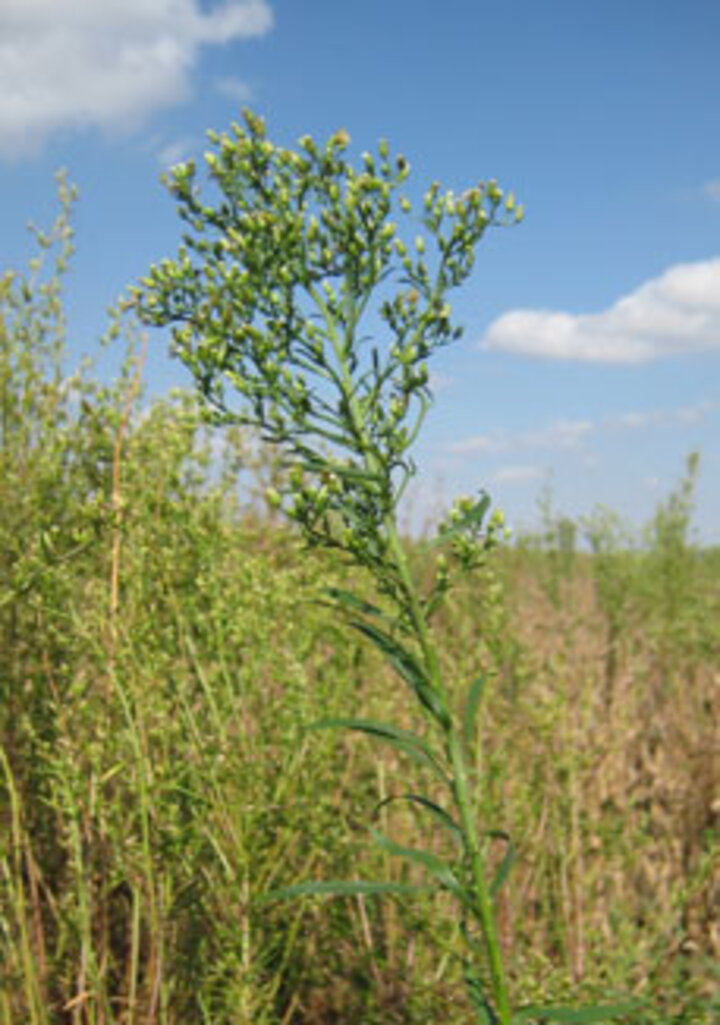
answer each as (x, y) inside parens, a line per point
(270, 298)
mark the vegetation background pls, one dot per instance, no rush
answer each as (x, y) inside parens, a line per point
(161, 654)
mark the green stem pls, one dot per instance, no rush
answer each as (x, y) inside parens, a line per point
(462, 795)
(463, 798)
(486, 912)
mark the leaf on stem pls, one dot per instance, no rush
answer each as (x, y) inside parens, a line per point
(403, 740)
(503, 870)
(406, 665)
(352, 603)
(472, 519)
(471, 709)
(481, 1006)
(445, 820)
(430, 862)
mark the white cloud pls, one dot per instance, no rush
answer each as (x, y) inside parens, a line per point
(175, 152)
(233, 89)
(439, 382)
(712, 189)
(562, 434)
(480, 443)
(104, 63)
(697, 413)
(675, 313)
(517, 474)
(688, 415)
(633, 420)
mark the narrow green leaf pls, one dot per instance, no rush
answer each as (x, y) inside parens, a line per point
(484, 1013)
(477, 513)
(471, 708)
(473, 518)
(503, 870)
(406, 665)
(403, 740)
(430, 862)
(342, 888)
(476, 993)
(575, 1016)
(439, 813)
(352, 603)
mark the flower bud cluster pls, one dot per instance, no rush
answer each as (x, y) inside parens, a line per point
(267, 297)
(468, 540)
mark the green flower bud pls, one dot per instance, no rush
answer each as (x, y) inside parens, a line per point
(273, 499)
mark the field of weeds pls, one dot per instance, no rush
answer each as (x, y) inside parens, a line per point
(164, 649)
(160, 663)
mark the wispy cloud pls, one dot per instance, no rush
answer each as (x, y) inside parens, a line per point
(233, 89)
(711, 189)
(81, 63)
(175, 152)
(517, 474)
(439, 382)
(561, 434)
(480, 443)
(676, 313)
(570, 435)
(687, 415)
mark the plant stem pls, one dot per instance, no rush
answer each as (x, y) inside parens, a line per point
(486, 913)
(461, 793)
(461, 790)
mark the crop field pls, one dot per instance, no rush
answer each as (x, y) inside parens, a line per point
(170, 644)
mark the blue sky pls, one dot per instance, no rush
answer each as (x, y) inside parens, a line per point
(591, 357)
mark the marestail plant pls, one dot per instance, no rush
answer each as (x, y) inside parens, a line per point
(272, 296)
